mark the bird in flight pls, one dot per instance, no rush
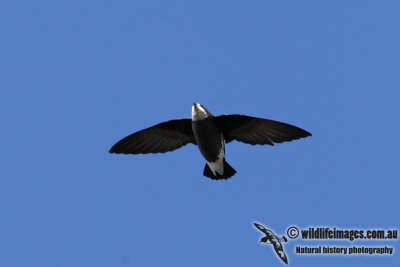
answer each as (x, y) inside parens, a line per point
(209, 133)
(274, 240)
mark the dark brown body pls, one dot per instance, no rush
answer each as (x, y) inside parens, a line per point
(208, 137)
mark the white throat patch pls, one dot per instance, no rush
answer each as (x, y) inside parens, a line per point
(198, 112)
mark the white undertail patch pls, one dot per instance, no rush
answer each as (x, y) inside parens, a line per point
(218, 165)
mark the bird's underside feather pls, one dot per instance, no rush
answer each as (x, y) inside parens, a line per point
(160, 138)
(257, 131)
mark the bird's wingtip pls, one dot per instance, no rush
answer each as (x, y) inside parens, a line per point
(112, 150)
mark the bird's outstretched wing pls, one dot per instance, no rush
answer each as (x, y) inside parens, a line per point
(160, 138)
(262, 228)
(257, 131)
(281, 253)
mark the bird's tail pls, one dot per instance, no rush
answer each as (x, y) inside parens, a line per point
(228, 172)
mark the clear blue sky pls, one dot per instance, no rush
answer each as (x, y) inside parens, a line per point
(77, 76)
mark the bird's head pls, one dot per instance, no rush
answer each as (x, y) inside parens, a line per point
(199, 112)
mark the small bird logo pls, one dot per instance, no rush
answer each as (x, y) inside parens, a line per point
(273, 240)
